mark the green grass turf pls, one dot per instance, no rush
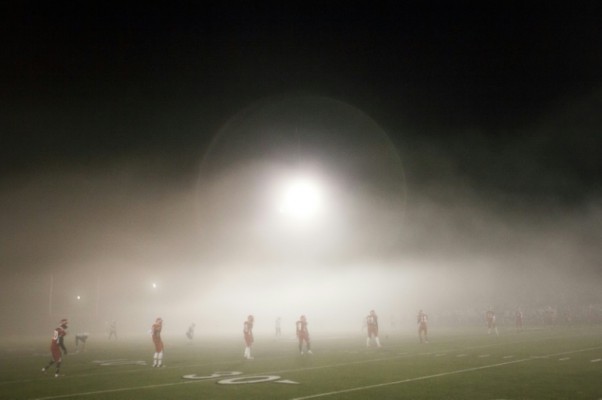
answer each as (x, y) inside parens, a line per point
(547, 363)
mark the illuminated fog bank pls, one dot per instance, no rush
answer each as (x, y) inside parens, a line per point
(292, 195)
(300, 180)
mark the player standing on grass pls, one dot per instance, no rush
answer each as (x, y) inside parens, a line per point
(278, 329)
(81, 338)
(372, 324)
(113, 330)
(518, 319)
(56, 345)
(491, 322)
(303, 334)
(190, 331)
(248, 335)
(158, 342)
(423, 320)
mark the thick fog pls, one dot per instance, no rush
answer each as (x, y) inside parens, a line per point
(395, 224)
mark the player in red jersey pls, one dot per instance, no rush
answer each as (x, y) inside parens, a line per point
(248, 335)
(372, 325)
(158, 342)
(422, 320)
(303, 334)
(57, 347)
(491, 322)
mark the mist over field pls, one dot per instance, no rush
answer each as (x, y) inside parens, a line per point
(202, 162)
(202, 236)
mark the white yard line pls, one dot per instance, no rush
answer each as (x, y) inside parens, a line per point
(136, 370)
(419, 378)
(132, 388)
(65, 396)
(126, 389)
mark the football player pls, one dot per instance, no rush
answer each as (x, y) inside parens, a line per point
(372, 325)
(156, 334)
(113, 330)
(81, 338)
(278, 329)
(303, 334)
(56, 345)
(190, 331)
(422, 320)
(491, 322)
(518, 320)
(248, 335)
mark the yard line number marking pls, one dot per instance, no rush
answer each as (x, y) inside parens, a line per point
(235, 379)
(63, 396)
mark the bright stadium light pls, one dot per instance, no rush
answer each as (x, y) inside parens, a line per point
(301, 199)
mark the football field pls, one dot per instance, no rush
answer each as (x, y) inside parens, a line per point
(459, 363)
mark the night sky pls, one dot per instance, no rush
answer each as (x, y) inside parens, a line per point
(107, 110)
(89, 82)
